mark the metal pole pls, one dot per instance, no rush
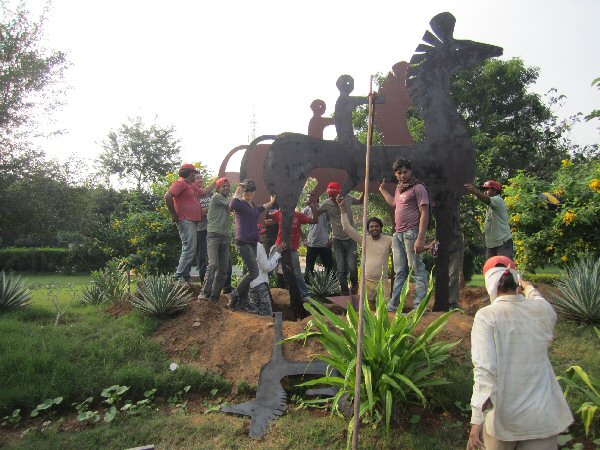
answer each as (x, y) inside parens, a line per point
(361, 303)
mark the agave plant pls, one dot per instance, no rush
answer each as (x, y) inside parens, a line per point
(14, 293)
(112, 281)
(93, 295)
(398, 365)
(160, 297)
(323, 283)
(579, 285)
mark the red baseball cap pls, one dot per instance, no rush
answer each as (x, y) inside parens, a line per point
(498, 261)
(492, 184)
(190, 166)
(334, 188)
(221, 181)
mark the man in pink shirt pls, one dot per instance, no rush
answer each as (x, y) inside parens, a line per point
(183, 202)
(411, 203)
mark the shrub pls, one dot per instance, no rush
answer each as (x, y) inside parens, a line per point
(160, 297)
(36, 259)
(579, 298)
(397, 365)
(112, 281)
(14, 293)
(323, 283)
(545, 278)
(578, 380)
(92, 295)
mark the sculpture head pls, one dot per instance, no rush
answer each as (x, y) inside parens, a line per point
(318, 107)
(345, 84)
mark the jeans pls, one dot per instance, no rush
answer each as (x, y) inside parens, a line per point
(218, 266)
(248, 253)
(404, 256)
(506, 249)
(298, 274)
(311, 258)
(202, 254)
(188, 236)
(345, 258)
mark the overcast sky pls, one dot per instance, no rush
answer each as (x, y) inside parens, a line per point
(207, 67)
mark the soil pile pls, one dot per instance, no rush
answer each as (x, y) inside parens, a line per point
(237, 344)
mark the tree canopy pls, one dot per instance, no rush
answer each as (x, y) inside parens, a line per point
(140, 153)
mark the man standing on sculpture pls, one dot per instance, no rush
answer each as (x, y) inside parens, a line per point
(217, 242)
(498, 236)
(184, 206)
(317, 242)
(411, 203)
(344, 248)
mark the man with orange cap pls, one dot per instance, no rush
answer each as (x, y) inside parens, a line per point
(498, 236)
(344, 248)
(516, 401)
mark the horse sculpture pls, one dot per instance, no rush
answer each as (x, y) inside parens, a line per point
(444, 160)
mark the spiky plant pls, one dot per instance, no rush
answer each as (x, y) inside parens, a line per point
(160, 297)
(399, 365)
(112, 281)
(323, 283)
(14, 293)
(93, 295)
(579, 285)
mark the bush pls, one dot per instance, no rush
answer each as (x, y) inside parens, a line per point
(37, 259)
(397, 366)
(545, 278)
(13, 292)
(323, 283)
(160, 297)
(112, 281)
(579, 298)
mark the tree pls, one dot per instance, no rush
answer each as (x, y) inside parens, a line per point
(511, 126)
(28, 74)
(140, 153)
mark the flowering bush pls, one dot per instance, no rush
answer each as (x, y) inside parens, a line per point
(555, 234)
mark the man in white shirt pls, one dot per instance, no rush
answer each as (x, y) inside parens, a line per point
(259, 296)
(516, 402)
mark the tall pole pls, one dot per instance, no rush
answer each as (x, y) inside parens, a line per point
(361, 302)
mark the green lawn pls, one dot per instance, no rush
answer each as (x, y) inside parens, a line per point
(91, 350)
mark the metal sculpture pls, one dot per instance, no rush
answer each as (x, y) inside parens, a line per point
(445, 159)
(271, 398)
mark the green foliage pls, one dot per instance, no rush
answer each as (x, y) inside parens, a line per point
(84, 412)
(141, 406)
(112, 281)
(595, 114)
(14, 293)
(13, 419)
(579, 285)
(47, 405)
(112, 397)
(178, 400)
(547, 234)
(323, 283)
(398, 366)
(578, 380)
(161, 297)
(544, 278)
(92, 295)
(28, 73)
(35, 259)
(140, 153)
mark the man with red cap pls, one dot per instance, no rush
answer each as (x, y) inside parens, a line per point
(183, 202)
(498, 236)
(344, 248)
(217, 243)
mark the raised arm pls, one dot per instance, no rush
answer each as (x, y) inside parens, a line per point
(477, 193)
(268, 205)
(389, 199)
(349, 229)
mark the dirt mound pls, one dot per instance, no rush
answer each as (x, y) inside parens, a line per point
(237, 344)
(233, 344)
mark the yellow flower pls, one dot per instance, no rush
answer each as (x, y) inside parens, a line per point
(560, 192)
(566, 163)
(565, 258)
(569, 217)
(595, 185)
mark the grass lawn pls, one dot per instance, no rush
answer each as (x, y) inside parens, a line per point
(91, 350)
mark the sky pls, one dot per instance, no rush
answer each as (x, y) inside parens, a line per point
(208, 67)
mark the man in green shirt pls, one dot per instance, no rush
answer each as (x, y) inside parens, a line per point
(217, 242)
(498, 236)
